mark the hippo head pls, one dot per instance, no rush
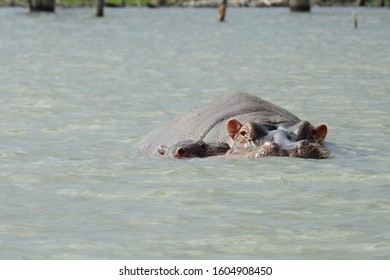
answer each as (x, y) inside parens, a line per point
(255, 139)
(305, 131)
(192, 148)
(248, 132)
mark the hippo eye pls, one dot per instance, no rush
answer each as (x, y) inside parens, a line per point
(202, 145)
(223, 144)
(244, 131)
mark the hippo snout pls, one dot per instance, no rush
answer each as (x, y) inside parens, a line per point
(193, 148)
(306, 149)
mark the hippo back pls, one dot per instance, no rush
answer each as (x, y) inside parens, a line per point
(208, 122)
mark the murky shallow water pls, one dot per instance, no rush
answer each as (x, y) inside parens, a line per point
(78, 92)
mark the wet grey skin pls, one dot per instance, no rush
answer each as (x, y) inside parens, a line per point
(208, 122)
(240, 124)
(193, 148)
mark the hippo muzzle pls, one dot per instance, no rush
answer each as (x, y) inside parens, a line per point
(193, 148)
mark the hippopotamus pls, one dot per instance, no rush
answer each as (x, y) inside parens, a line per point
(287, 139)
(247, 124)
(192, 148)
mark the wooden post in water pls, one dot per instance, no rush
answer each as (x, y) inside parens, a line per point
(41, 5)
(299, 5)
(99, 8)
(354, 19)
(222, 10)
(161, 3)
(360, 3)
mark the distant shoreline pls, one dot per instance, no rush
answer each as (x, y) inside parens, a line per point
(191, 3)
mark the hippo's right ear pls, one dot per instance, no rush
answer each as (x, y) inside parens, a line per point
(233, 127)
(161, 149)
(320, 132)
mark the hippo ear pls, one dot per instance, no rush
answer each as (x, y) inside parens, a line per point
(233, 127)
(161, 149)
(320, 132)
(181, 153)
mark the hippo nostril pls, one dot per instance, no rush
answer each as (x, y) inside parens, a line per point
(270, 145)
(224, 145)
(303, 144)
(267, 144)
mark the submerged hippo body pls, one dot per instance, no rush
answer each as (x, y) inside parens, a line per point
(251, 126)
(208, 122)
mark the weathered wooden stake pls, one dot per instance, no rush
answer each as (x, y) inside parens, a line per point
(360, 3)
(222, 10)
(99, 8)
(299, 5)
(161, 3)
(354, 19)
(41, 5)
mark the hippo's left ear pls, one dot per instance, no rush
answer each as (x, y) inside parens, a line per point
(320, 132)
(233, 127)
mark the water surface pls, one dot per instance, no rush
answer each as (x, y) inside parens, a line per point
(78, 92)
